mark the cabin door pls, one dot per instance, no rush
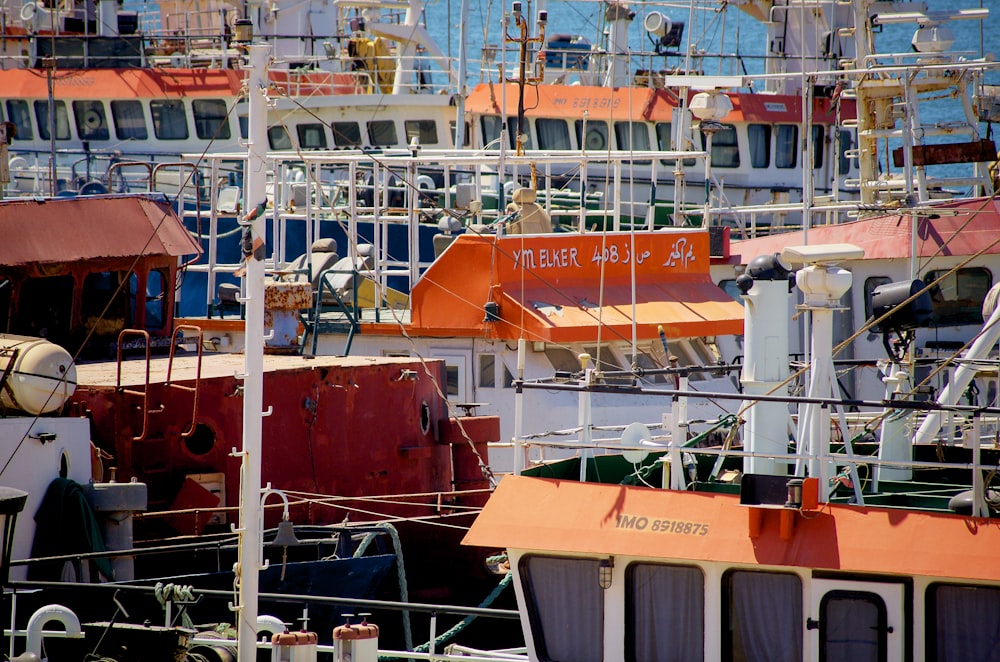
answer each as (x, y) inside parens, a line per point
(856, 621)
(458, 369)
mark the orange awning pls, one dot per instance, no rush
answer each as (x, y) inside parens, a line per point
(684, 309)
(571, 287)
(535, 514)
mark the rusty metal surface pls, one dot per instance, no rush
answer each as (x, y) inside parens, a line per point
(66, 230)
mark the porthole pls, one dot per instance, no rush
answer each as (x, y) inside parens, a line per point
(202, 441)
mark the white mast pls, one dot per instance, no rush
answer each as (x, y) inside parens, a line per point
(248, 566)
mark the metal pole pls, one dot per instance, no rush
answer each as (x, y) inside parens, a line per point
(249, 563)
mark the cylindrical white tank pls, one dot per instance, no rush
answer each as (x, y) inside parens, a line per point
(42, 376)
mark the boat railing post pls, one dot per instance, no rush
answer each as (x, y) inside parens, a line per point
(519, 459)
(677, 427)
(979, 507)
(586, 431)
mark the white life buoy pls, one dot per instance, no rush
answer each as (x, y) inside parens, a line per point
(595, 139)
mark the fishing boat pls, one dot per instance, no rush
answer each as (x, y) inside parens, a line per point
(99, 98)
(497, 305)
(145, 428)
(780, 118)
(823, 528)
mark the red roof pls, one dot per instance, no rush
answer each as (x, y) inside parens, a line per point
(121, 83)
(964, 227)
(85, 228)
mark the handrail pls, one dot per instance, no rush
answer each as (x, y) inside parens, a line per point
(144, 394)
(178, 330)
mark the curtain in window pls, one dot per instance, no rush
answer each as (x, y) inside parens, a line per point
(850, 628)
(760, 145)
(967, 623)
(568, 609)
(766, 617)
(668, 613)
(552, 134)
(786, 149)
(129, 121)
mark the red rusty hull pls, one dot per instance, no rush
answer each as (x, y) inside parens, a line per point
(344, 427)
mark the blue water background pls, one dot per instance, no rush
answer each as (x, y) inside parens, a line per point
(730, 31)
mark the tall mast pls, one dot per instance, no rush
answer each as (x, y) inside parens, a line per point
(248, 566)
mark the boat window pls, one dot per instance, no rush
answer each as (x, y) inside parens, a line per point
(155, 297)
(211, 119)
(468, 133)
(491, 129)
(725, 148)
(565, 607)
(311, 136)
(871, 283)
(425, 131)
(91, 120)
(962, 623)
(553, 134)
(45, 309)
(278, 138)
(596, 137)
(852, 626)
(346, 134)
(61, 120)
(632, 136)
(664, 142)
(665, 611)
(508, 377)
(451, 374)
(18, 113)
(819, 145)
(130, 122)
(562, 359)
(526, 130)
(105, 308)
(245, 127)
(957, 297)
(760, 145)
(487, 377)
(845, 141)
(169, 121)
(762, 616)
(382, 132)
(786, 146)
(5, 303)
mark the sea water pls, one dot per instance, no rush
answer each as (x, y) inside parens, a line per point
(727, 31)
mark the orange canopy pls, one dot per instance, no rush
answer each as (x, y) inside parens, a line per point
(538, 514)
(568, 287)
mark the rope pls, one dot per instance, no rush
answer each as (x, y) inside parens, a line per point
(461, 625)
(175, 593)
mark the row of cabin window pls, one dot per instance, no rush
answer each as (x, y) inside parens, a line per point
(554, 134)
(380, 133)
(762, 615)
(108, 303)
(169, 122)
(90, 117)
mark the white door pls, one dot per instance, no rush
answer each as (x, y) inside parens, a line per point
(856, 620)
